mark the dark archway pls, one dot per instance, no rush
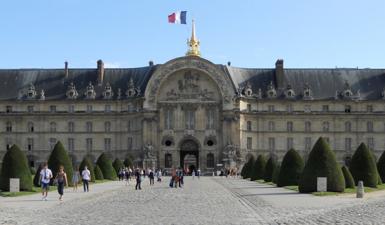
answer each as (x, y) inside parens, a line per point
(188, 150)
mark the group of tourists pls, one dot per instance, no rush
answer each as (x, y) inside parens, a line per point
(140, 175)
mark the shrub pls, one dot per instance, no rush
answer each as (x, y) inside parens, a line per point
(98, 173)
(321, 163)
(269, 169)
(363, 167)
(128, 162)
(258, 169)
(87, 162)
(59, 157)
(105, 165)
(15, 165)
(349, 181)
(381, 166)
(276, 172)
(246, 170)
(32, 170)
(36, 178)
(117, 164)
(291, 169)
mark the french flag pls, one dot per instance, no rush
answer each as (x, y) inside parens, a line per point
(178, 17)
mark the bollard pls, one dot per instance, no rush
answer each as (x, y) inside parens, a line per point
(360, 189)
(14, 185)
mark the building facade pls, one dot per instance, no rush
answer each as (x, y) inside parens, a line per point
(190, 112)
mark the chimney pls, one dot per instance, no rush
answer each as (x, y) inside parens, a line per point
(229, 63)
(151, 63)
(279, 73)
(100, 71)
(66, 69)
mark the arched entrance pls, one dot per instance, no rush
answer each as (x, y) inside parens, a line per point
(189, 155)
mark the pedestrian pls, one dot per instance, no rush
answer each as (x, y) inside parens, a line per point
(86, 177)
(138, 179)
(75, 178)
(152, 177)
(45, 178)
(159, 175)
(193, 174)
(61, 179)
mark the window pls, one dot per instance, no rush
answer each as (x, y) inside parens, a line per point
(71, 144)
(290, 143)
(369, 126)
(190, 119)
(89, 126)
(30, 127)
(168, 119)
(129, 125)
(271, 108)
(249, 107)
(249, 143)
(248, 125)
(325, 126)
(89, 108)
(89, 144)
(369, 108)
(52, 108)
(52, 127)
(289, 108)
(71, 108)
(8, 142)
(210, 119)
(129, 143)
(107, 144)
(348, 144)
(167, 160)
(271, 144)
(348, 108)
(30, 144)
(307, 143)
(307, 108)
(71, 127)
(210, 160)
(371, 143)
(30, 108)
(271, 126)
(107, 108)
(325, 108)
(8, 109)
(348, 126)
(307, 126)
(52, 143)
(289, 126)
(9, 126)
(107, 126)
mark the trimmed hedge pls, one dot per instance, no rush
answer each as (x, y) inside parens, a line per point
(36, 178)
(349, 181)
(32, 170)
(363, 167)
(291, 169)
(259, 168)
(98, 173)
(87, 162)
(15, 165)
(321, 163)
(105, 165)
(276, 172)
(247, 168)
(128, 162)
(381, 166)
(59, 157)
(117, 164)
(269, 169)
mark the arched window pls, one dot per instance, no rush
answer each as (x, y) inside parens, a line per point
(107, 126)
(167, 160)
(52, 127)
(210, 160)
(348, 126)
(71, 126)
(30, 127)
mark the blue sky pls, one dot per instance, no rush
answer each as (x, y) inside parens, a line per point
(249, 33)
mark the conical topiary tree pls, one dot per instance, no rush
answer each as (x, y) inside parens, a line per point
(269, 169)
(381, 166)
(105, 165)
(117, 164)
(258, 169)
(36, 178)
(349, 181)
(87, 162)
(128, 162)
(246, 170)
(276, 172)
(291, 169)
(15, 165)
(59, 157)
(363, 167)
(321, 163)
(98, 173)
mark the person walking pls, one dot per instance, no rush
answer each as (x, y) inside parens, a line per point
(45, 178)
(75, 179)
(193, 174)
(152, 177)
(159, 175)
(86, 177)
(61, 179)
(138, 179)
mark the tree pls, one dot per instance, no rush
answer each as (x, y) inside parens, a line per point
(59, 157)
(321, 163)
(105, 165)
(15, 165)
(87, 162)
(128, 162)
(258, 169)
(276, 173)
(98, 173)
(363, 167)
(291, 169)
(246, 170)
(36, 178)
(349, 181)
(381, 166)
(117, 164)
(269, 169)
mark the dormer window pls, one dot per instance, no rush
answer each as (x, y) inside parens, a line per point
(131, 91)
(289, 93)
(248, 91)
(90, 92)
(42, 95)
(271, 92)
(347, 92)
(108, 93)
(307, 93)
(71, 92)
(31, 93)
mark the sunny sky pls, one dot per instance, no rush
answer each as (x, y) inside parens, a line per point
(249, 33)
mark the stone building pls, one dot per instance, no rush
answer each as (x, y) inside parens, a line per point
(190, 111)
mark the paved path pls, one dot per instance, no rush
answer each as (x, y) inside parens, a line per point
(205, 201)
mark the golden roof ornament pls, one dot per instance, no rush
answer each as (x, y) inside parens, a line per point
(193, 43)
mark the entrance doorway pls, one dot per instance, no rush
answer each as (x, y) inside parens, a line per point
(189, 156)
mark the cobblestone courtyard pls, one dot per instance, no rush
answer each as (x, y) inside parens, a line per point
(205, 201)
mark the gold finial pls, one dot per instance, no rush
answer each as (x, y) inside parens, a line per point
(193, 43)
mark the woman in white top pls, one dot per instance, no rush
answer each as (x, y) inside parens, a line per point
(86, 177)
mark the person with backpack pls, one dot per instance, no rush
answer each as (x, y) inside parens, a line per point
(45, 179)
